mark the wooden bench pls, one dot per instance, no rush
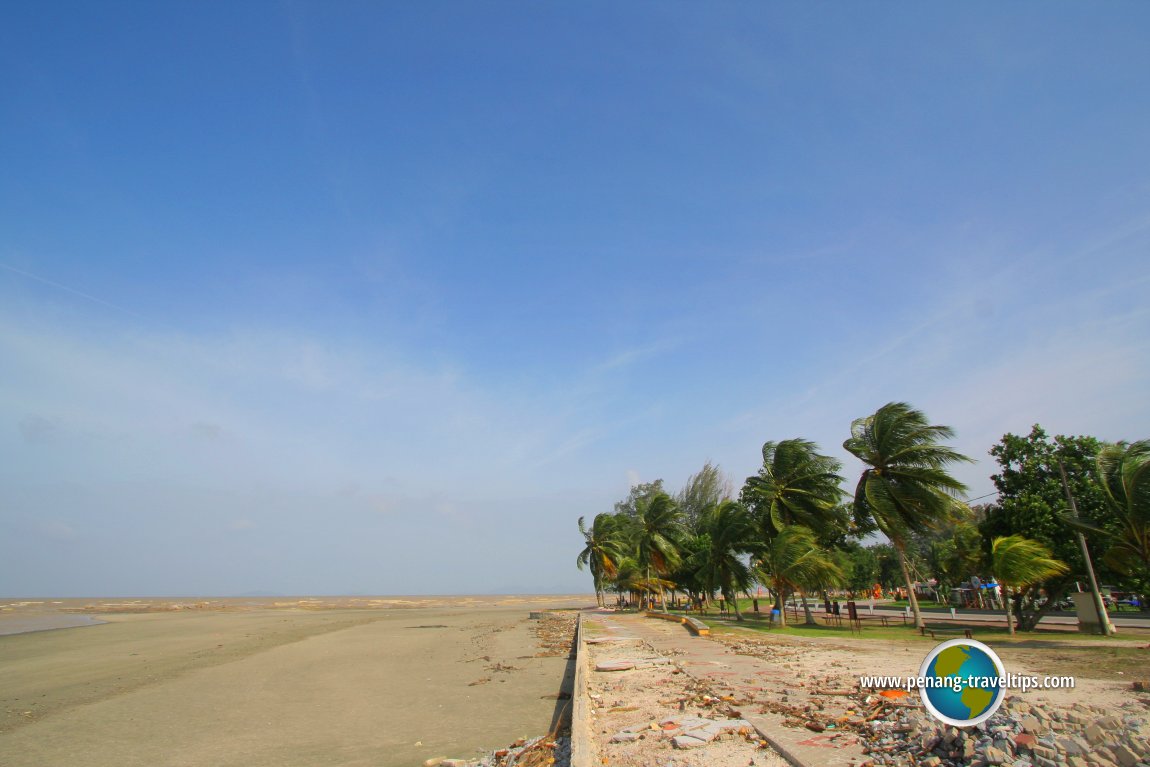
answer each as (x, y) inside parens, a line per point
(933, 631)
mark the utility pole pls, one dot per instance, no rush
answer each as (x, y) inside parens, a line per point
(1099, 605)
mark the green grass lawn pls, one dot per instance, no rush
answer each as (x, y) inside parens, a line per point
(982, 632)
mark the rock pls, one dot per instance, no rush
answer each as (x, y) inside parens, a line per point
(1095, 734)
(1025, 740)
(1070, 747)
(686, 741)
(1031, 725)
(1125, 756)
(436, 762)
(994, 755)
(624, 737)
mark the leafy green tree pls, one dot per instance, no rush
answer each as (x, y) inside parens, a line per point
(639, 494)
(905, 488)
(656, 533)
(1031, 503)
(1019, 563)
(955, 556)
(703, 492)
(889, 569)
(860, 567)
(603, 549)
(692, 553)
(793, 560)
(730, 535)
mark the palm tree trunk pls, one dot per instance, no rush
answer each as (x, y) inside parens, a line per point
(902, 563)
(807, 617)
(734, 600)
(1009, 609)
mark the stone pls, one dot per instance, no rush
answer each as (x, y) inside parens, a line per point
(1125, 756)
(1070, 747)
(686, 741)
(1004, 745)
(1095, 734)
(1031, 725)
(1077, 761)
(1024, 740)
(624, 737)
(994, 755)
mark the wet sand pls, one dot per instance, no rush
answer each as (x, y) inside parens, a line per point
(287, 685)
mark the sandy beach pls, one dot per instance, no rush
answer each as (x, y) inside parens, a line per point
(272, 682)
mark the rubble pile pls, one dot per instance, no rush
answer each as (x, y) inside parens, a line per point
(895, 729)
(1020, 734)
(647, 710)
(556, 633)
(536, 752)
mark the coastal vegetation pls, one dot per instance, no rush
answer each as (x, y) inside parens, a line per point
(903, 530)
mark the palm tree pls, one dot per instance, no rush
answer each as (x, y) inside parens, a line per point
(796, 485)
(656, 531)
(1124, 473)
(603, 550)
(792, 560)
(905, 488)
(1019, 562)
(729, 533)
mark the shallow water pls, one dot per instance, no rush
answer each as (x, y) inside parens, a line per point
(26, 623)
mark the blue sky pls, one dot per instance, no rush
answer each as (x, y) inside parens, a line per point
(379, 298)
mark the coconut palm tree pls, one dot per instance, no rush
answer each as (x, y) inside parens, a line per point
(603, 550)
(1019, 562)
(795, 486)
(792, 560)
(1124, 473)
(729, 533)
(905, 487)
(655, 536)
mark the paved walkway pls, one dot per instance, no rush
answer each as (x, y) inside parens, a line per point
(747, 678)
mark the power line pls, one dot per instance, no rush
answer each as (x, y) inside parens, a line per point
(979, 498)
